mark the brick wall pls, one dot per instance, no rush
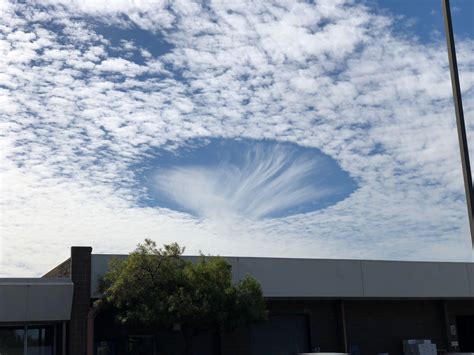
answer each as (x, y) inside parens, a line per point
(81, 276)
(375, 326)
(381, 326)
(325, 328)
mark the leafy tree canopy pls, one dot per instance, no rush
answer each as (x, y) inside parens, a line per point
(157, 287)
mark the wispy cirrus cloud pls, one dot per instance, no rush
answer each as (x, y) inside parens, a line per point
(79, 109)
(270, 180)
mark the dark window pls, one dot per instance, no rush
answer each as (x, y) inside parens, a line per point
(40, 340)
(12, 340)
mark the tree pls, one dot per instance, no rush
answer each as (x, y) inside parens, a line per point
(158, 288)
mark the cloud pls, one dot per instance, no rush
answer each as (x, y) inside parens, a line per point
(269, 181)
(335, 75)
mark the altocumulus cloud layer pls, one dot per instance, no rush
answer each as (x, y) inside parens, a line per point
(78, 109)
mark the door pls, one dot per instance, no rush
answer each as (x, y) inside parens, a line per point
(465, 325)
(286, 334)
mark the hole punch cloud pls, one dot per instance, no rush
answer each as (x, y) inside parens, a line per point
(248, 178)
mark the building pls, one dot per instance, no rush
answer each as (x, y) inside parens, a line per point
(357, 306)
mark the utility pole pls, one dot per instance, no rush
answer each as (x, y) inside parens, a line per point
(453, 66)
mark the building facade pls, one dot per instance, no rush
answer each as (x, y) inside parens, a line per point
(315, 305)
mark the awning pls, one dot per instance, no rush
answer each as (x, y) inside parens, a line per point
(35, 299)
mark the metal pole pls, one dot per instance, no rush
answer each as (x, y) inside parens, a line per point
(25, 340)
(453, 66)
(55, 335)
(63, 345)
(343, 325)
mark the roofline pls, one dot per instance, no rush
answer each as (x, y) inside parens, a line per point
(311, 259)
(34, 281)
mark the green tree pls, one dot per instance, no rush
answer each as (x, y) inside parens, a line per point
(158, 288)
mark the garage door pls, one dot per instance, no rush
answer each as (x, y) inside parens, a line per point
(281, 335)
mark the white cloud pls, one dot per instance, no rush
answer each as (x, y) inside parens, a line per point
(269, 180)
(332, 75)
(120, 65)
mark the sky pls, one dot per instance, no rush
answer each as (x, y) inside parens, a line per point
(321, 129)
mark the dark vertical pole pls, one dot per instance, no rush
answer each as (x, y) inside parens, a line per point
(64, 341)
(25, 340)
(55, 335)
(342, 310)
(453, 65)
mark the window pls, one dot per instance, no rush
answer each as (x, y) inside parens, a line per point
(39, 340)
(12, 340)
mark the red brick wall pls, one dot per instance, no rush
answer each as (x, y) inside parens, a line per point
(381, 326)
(81, 276)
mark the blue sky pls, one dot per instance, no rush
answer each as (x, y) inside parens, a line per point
(317, 129)
(424, 18)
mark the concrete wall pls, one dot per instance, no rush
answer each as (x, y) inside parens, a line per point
(319, 278)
